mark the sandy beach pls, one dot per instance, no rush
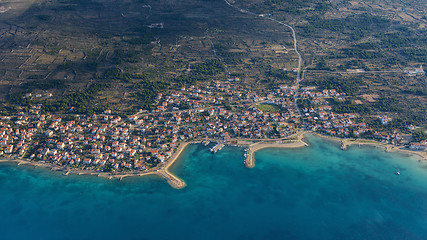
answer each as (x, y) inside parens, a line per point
(345, 142)
(250, 158)
(164, 172)
(175, 182)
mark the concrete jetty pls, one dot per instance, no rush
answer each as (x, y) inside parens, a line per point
(217, 147)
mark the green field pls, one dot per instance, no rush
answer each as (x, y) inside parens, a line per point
(268, 108)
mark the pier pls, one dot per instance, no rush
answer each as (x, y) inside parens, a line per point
(217, 147)
(173, 180)
(343, 145)
(250, 160)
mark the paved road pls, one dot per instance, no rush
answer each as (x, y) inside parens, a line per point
(362, 72)
(281, 23)
(295, 46)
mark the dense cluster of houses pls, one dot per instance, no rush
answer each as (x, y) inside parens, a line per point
(327, 93)
(142, 141)
(321, 118)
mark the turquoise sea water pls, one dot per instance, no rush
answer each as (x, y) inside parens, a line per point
(317, 192)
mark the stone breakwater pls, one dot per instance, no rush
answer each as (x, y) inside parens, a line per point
(250, 158)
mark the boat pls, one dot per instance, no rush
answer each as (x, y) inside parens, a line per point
(398, 172)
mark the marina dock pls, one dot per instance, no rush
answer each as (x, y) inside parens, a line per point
(217, 147)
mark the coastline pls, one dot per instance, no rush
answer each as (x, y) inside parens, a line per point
(250, 154)
(66, 171)
(163, 172)
(172, 179)
(345, 142)
(178, 183)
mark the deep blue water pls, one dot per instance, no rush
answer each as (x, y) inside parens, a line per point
(317, 192)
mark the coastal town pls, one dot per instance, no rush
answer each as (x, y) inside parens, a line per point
(213, 119)
(146, 141)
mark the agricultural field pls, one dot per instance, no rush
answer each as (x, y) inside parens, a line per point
(99, 54)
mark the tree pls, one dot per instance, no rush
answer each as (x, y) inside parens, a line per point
(419, 135)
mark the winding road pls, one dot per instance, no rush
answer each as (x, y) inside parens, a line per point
(299, 79)
(281, 23)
